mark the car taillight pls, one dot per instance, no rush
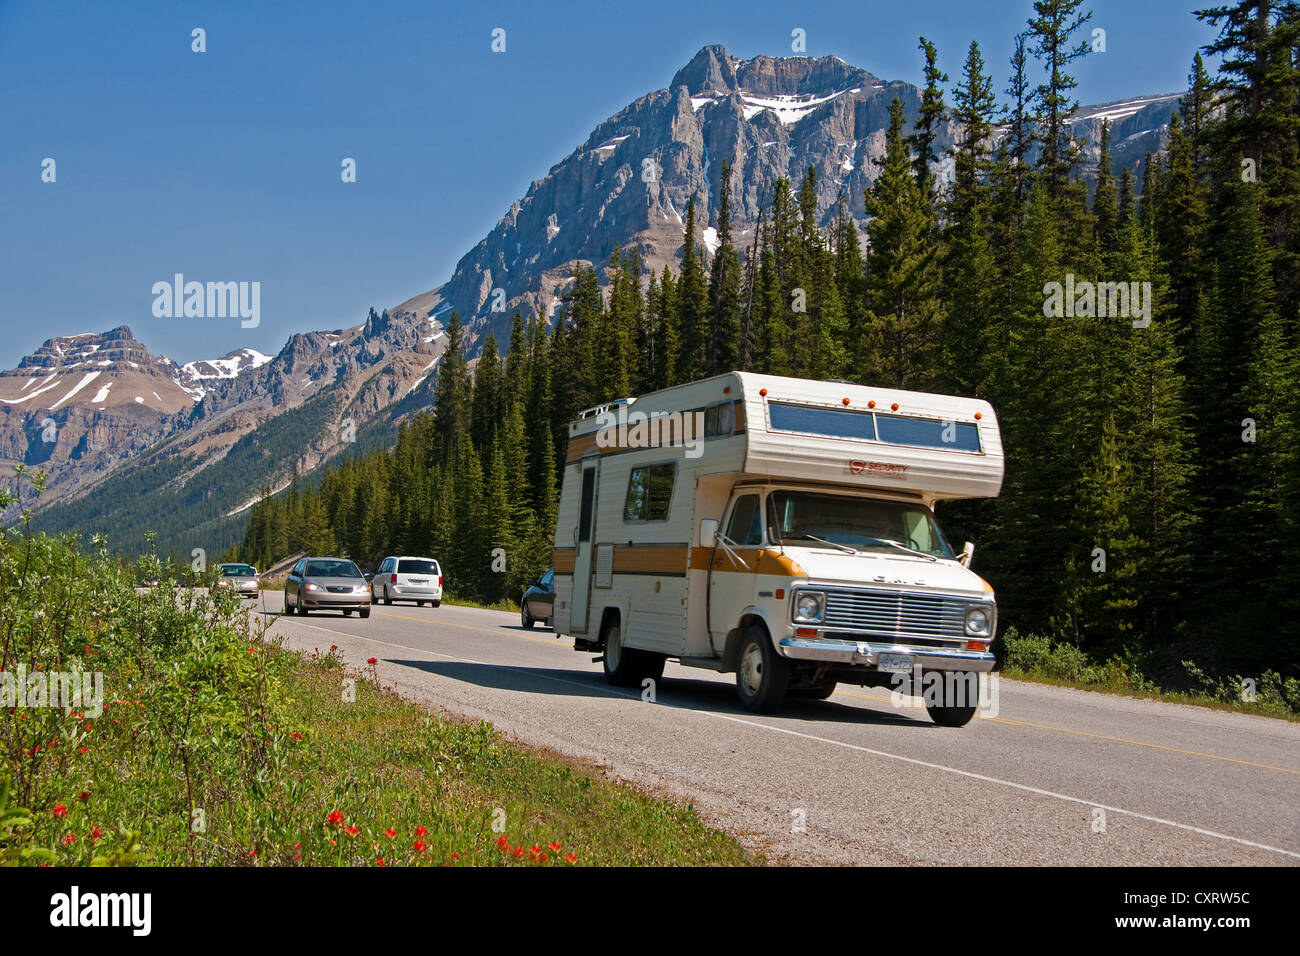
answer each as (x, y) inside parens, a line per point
(440, 580)
(393, 579)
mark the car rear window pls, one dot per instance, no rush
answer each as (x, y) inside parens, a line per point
(415, 566)
(238, 571)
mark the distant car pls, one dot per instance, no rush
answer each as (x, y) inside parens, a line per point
(241, 579)
(326, 584)
(538, 600)
(407, 579)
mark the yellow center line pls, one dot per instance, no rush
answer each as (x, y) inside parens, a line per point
(849, 693)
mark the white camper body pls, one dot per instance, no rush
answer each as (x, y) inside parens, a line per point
(776, 527)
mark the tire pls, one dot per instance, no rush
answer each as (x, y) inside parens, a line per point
(288, 609)
(525, 618)
(761, 673)
(435, 603)
(387, 599)
(419, 604)
(364, 612)
(816, 692)
(347, 613)
(627, 666)
(946, 712)
(302, 608)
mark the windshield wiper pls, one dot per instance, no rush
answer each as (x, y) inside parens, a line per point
(834, 544)
(903, 547)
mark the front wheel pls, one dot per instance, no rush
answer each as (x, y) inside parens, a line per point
(954, 698)
(761, 673)
(525, 618)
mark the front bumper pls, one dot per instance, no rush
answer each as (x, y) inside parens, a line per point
(867, 654)
(326, 601)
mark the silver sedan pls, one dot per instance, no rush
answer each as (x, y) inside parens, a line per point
(326, 584)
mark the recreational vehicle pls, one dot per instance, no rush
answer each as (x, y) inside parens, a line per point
(782, 529)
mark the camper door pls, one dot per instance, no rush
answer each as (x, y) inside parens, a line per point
(584, 534)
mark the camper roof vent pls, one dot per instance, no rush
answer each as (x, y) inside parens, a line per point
(598, 409)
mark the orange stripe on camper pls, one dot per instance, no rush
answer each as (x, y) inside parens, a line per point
(758, 561)
(564, 560)
(650, 559)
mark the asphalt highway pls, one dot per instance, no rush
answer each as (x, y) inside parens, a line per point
(1058, 776)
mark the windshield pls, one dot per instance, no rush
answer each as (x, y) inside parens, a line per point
(332, 569)
(863, 524)
(238, 571)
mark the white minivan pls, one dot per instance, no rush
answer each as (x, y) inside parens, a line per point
(407, 579)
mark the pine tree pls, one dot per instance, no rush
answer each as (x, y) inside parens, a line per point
(724, 289)
(932, 113)
(693, 306)
(1051, 31)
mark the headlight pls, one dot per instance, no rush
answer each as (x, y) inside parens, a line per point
(360, 588)
(979, 621)
(809, 606)
(311, 587)
(223, 583)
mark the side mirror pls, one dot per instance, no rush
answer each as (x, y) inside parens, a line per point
(369, 575)
(708, 532)
(967, 552)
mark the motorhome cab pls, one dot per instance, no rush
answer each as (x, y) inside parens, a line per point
(781, 529)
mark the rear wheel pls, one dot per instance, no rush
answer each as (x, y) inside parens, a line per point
(436, 603)
(954, 699)
(387, 599)
(288, 608)
(419, 604)
(761, 673)
(365, 612)
(525, 617)
(347, 613)
(628, 666)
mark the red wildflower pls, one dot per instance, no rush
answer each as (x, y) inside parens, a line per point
(68, 840)
(390, 833)
(297, 736)
(94, 834)
(352, 830)
(554, 847)
(572, 858)
(419, 846)
(519, 851)
(455, 856)
(336, 819)
(372, 660)
(60, 810)
(85, 750)
(84, 795)
(503, 843)
(420, 830)
(379, 861)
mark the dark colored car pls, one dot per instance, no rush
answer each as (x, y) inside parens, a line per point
(326, 584)
(538, 600)
(239, 579)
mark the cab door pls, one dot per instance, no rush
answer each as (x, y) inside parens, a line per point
(584, 535)
(733, 567)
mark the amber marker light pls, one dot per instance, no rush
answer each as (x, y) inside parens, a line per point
(726, 390)
(844, 400)
(871, 404)
(978, 416)
(894, 407)
(780, 593)
(805, 632)
(762, 391)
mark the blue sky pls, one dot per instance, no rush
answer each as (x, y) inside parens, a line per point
(225, 165)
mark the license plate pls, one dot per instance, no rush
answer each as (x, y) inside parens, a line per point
(895, 663)
(417, 580)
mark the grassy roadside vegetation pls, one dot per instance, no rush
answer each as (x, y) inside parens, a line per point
(217, 747)
(1040, 659)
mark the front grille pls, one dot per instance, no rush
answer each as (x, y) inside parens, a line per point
(339, 589)
(894, 614)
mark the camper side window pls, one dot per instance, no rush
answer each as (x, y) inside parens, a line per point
(649, 492)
